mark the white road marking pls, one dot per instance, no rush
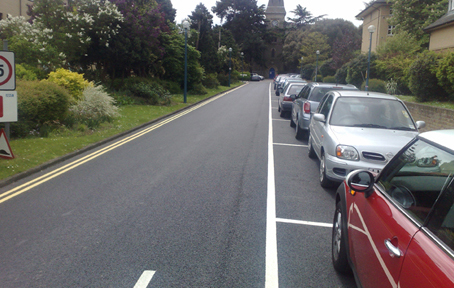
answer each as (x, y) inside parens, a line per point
(144, 279)
(271, 265)
(308, 223)
(292, 145)
(286, 120)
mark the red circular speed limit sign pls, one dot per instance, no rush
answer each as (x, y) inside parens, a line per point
(7, 73)
(2, 71)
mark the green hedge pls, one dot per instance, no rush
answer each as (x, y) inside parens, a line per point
(375, 85)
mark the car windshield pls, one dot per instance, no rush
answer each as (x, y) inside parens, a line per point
(371, 113)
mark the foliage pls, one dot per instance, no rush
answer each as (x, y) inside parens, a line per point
(291, 48)
(445, 73)
(329, 79)
(152, 92)
(246, 21)
(339, 30)
(341, 74)
(423, 80)
(357, 69)
(74, 82)
(345, 48)
(391, 87)
(375, 85)
(412, 16)
(95, 107)
(223, 78)
(25, 74)
(303, 17)
(198, 89)
(211, 81)
(312, 42)
(40, 103)
(326, 69)
(307, 71)
(167, 9)
(395, 57)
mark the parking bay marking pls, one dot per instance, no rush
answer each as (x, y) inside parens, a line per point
(292, 145)
(144, 279)
(307, 223)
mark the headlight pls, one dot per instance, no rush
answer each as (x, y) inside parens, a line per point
(347, 152)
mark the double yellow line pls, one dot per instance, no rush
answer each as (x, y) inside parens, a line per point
(44, 178)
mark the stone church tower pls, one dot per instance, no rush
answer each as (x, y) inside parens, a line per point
(275, 12)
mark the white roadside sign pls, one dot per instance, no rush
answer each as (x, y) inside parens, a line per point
(8, 106)
(7, 71)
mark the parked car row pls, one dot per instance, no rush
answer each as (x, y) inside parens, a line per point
(393, 224)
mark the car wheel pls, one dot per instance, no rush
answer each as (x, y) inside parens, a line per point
(324, 181)
(292, 124)
(278, 107)
(339, 245)
(282, 114)
(311, 152)
(299, 133)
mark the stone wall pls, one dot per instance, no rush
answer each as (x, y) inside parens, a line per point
(436, 118)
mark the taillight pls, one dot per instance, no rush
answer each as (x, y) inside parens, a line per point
(307, 107)
(286, 98)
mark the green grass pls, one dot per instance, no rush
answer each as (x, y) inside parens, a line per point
(448, 105)
(33, 151)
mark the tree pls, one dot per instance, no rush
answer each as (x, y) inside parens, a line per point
(201, 20)
(312, 42)
(413, 15)
(303, 17)
(167, 8)
(246, 21)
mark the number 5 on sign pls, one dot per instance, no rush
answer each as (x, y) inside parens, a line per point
(7, 71)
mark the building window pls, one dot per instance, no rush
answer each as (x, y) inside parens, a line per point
(1, 16)
(391, 30)
(390, 10)
(273, 52)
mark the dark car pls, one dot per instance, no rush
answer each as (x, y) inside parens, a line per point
(396, 229)
(306, 103)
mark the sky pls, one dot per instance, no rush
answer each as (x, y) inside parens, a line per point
(346, 9)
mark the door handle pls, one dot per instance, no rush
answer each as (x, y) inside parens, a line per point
(393, 250)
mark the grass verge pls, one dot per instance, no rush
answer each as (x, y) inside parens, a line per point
(34, 151)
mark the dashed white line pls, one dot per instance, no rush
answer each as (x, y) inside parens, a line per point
(144, 279)
(300, 222)
(292, 145)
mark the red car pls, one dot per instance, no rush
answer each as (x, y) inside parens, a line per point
(396, 229)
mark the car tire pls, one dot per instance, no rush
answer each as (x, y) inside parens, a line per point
(311, 152)
(278, 107)
(282, 114)
(339, 244)
(292, 124)
(324, 181)
(299, 133)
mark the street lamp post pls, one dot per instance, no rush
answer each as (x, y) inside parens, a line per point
(242, 70)
(301, 72)
(230, 62)
(186, 28)
(316, 65)
(371, 29)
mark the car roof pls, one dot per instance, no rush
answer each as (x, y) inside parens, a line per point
(444, 138)
(366, 94)
(318, 84)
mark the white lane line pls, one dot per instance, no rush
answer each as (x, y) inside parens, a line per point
(271, 265)
(144, 279)
(280, 120)
(308, 223)
(292, 145)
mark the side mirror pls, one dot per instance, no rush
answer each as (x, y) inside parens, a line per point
(420, 124)
(319, 117)
(361, 181)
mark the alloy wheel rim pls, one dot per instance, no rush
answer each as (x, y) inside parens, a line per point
(322, 168)
(337, 233)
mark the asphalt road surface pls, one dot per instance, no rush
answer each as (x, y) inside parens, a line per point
(220, 195)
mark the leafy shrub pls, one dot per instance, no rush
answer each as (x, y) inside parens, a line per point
(329, 79)
(153, 93)
(445, 74)
(357, 69)
(198, 89)
(40, 103)
(423, 79)
(375, 85)
(341, 75)
(391, 87)
(95, 108)
(326, 69)
(72, 81)
(307, 71)
(211, 81)
(25, 74)
(223, 79)
(319, 78)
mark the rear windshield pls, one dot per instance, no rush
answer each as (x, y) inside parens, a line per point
(318, 92)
